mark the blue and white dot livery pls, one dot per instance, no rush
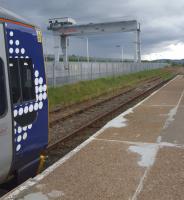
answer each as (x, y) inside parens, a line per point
(40, 89)
(24, 102)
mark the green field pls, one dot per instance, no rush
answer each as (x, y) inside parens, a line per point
(85, 90)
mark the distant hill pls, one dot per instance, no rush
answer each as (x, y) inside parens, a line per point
(174, 61)
(75, 58)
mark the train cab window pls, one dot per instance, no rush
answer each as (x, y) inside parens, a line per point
(2, 89)
(28, 90)
(22, 81)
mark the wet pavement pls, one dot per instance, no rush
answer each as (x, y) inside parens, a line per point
(138, 155)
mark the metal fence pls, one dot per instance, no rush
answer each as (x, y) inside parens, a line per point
(78, 71)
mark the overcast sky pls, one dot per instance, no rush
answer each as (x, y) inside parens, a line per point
(162, 24)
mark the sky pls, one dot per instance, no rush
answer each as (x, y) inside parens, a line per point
(162, 25)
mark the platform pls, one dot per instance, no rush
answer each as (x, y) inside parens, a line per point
(138, 155)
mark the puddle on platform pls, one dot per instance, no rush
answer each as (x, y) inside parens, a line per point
(120, 121)
(35, 196)
(147, 152)
(40, 196)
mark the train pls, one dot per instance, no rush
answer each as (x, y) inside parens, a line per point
(23, 98)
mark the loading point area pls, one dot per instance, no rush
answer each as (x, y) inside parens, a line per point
(138, 155)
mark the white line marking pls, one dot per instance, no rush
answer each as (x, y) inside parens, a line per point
(123, 141)
(141, 183)
(160, 144)
(173, 112)
(160, 105)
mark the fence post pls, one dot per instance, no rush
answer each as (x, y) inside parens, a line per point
(106, 68)
(81, 70)
(53, 75)
(99, 70)
(112, 69)
(68, 72)
(91, 71)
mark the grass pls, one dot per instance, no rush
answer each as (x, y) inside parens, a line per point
(85, 90)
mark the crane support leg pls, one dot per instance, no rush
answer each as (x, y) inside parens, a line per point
(139, 45)
(64, 47)
(137, 57)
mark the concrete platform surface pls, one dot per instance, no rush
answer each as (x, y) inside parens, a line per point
(138, 155)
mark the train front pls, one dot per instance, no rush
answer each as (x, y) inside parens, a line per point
(26, 92)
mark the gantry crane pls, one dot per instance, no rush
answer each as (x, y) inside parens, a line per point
(67, 27)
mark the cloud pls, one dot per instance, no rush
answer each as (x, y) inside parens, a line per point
(162, 22)
(172, 51)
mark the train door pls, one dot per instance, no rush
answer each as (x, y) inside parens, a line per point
(29, 95)
(6, 148)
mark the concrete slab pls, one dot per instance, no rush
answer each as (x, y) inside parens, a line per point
(162, 99)
(144, 124)
(173, 90)
(102, 170)
(165, 180)
(175, 85)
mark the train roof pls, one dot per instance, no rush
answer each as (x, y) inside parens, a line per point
(9, 15)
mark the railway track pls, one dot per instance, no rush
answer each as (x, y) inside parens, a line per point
(60, 113)
(69, 131)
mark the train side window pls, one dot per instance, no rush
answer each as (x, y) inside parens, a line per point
(27, 79)
(15, 80)
(2, 89)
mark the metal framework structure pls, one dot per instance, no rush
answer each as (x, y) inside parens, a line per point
(67, 30)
